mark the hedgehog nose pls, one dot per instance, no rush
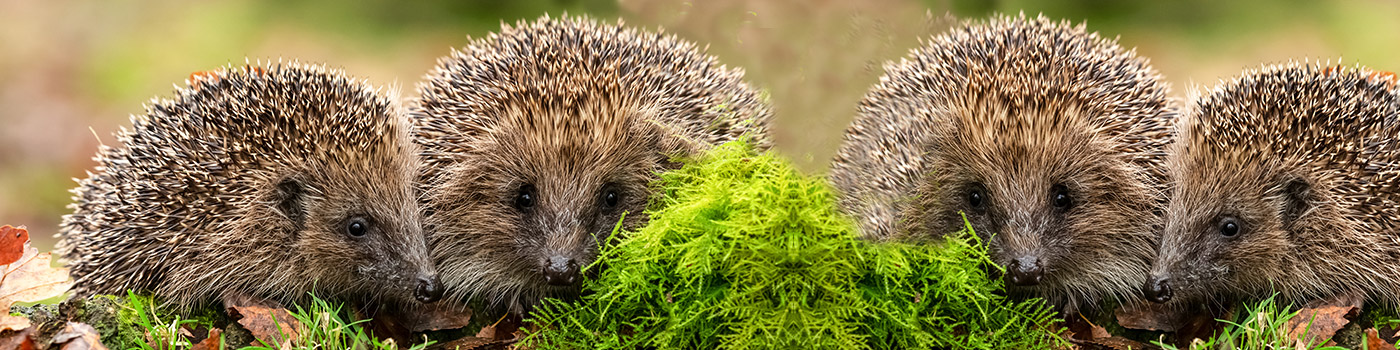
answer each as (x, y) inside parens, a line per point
(561, 271)
(429, 289)
(1025, 271)
(1158, 289)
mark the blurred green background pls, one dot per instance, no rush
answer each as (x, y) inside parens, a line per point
(71, 72)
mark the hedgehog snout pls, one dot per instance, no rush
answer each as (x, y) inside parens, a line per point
(1025, 271)
(1158, 289)
(429, 289)
(561, 271)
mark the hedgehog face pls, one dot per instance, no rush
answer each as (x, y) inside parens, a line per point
(1231, 224)
(526, 214)
(1225, 229)
(359, 233)
(1060, 210)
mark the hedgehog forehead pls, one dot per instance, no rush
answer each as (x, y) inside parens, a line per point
(579, 144)
(564, 61)
(593, 127)
(1211, 183)
(1040, 143)
(1031, 61)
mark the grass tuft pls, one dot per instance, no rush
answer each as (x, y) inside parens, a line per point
(325, 325)
(1261, 327)
(329, 326)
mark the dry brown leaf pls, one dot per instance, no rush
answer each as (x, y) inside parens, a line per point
(271, 326)
(1117, 343)
(471, 343)
(1185, 324)
(502, 330)
(78, 336)
(22, 340)
(13, 240)
(210, 343)
(497, 336)
(1374, 341)
(488, 332)
(1323, 318)
(1151, 317)
(13, 323)
(1080, 328)
(31, 279)
(27, 278)
(435, 317)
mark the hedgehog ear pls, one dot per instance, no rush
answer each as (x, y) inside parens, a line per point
(1296, 195)
(289, 199)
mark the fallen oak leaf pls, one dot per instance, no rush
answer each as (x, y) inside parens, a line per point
(211, 342)
(1322, 319)
(1151, 317)
(21, 340)
(1080, 328)
(1115, 343)
(32, 279)
(487, 332)
(1187, 325)
(13, 240)
(1374, 341)
(78, 336)
(496, 336)
(435, 317)
(1077, 328)
(471, 343)
(502, 329)
(13, 323)
(269, 323)
(28, 279)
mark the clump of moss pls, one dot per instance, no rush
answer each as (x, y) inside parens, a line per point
(142, 324)
(743, 252)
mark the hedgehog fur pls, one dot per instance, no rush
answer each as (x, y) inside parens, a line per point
(250, 182)
(1005, 120)
(1286, 180)
(537, 140)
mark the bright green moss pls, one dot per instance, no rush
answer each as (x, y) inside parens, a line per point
(743, 252)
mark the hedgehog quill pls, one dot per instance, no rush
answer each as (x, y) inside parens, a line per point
(1286, 181)
(267, 181)
(1050, 139)
(539, 138)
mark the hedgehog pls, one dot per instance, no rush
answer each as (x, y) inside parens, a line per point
(540, 139)
(1048, 139)
(270, 181)
(1286, 180)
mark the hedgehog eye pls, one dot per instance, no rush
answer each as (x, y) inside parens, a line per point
(525, 197)
(611, 197)
(1229, 227)
(357, 227)
(975, 197)
(1060, 198)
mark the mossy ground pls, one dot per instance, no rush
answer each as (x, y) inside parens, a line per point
(139, 321)
(743, 252)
